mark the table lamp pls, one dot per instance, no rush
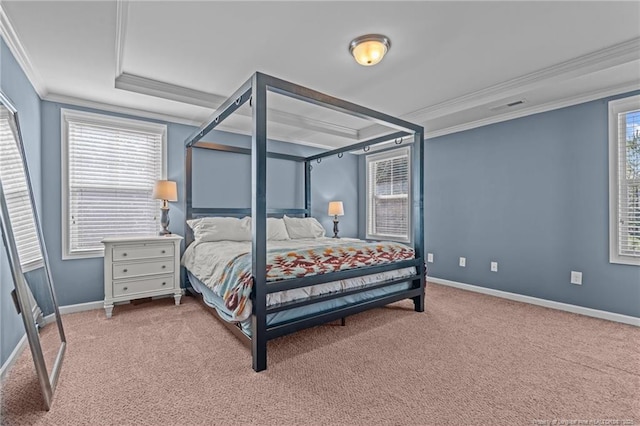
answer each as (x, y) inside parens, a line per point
(336, 209)
(165, 190)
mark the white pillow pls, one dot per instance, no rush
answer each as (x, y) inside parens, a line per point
(221, 229)
(303, 227)
(276, 229)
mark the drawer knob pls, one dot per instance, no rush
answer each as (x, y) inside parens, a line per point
(164, 251)
(164, 283)
(124, 254)
(164, 266)
(124, 270)
(125, 288)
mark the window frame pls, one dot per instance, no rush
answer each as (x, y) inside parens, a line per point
(67, 115)
(616, 107)
(388, 154)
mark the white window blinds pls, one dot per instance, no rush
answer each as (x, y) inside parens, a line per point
(388, 195)
(16, 192)
(625, 180)
(112, 165)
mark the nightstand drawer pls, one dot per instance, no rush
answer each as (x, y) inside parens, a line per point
(132, 252)
(129, 270)
(124, 288)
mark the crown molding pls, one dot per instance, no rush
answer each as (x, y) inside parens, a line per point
(102, 106)
(609, 57)
(536, 109)
(138, 113)
(122, 16)
(10, 36)
(160, 89)
(172, 92)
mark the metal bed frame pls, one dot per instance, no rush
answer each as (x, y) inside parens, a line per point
(255, 90)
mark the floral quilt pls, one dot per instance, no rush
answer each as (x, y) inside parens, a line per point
(236, 282)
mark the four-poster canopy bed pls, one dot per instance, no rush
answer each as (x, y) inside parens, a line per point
(401, 275)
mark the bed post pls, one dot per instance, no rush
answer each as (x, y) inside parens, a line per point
(259, 222)
(188, 233)
(307, 188)
(188, 167)
(417, 164)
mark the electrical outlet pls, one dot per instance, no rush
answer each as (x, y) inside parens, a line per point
(494, 266)
(463, 261)
(576, 277)
(430, 257)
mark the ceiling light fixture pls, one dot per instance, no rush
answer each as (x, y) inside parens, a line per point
(369, 49)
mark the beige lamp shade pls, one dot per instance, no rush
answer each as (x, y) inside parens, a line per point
(165, 190)
(336, 208)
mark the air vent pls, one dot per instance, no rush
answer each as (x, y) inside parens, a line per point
(511, 104)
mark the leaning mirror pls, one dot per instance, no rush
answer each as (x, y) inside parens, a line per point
(33, 292)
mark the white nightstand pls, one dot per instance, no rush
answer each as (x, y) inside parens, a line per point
(137, 267)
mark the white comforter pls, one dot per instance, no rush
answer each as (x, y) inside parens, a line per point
(206, 260)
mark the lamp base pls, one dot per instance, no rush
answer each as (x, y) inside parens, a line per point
(164, 221)
(335, 227)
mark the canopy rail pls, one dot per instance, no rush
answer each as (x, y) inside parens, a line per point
(246, 93)
(359, 145)
(227, 108)
(230, 211)
(246, 151)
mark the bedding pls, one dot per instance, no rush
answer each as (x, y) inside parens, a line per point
(303, 227)
(234, 229)
(225, 267)
(221, 229)
(276, 229)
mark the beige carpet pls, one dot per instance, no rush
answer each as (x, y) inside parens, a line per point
(470, 359)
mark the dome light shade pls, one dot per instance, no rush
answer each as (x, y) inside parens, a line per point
(369, 49)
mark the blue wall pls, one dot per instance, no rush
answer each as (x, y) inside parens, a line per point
(220, 180)
(531, 194)
(81, 280)
(15, 85)
(224, 180)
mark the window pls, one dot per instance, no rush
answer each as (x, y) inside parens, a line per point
(624, 180)
(388, 195)
(109, 168)
(16, 193)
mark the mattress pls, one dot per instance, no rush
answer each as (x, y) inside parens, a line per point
(212, 272)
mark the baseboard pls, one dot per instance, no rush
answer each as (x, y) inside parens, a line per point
(98, 304)
(80, 307)
(611, 316)
(22, 344)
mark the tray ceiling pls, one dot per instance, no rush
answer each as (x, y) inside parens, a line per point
(452, 65)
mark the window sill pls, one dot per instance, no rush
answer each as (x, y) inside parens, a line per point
(83, 255)
(625, 260)
(388, 238)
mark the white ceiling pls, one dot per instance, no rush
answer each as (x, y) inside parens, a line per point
(452, 65)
